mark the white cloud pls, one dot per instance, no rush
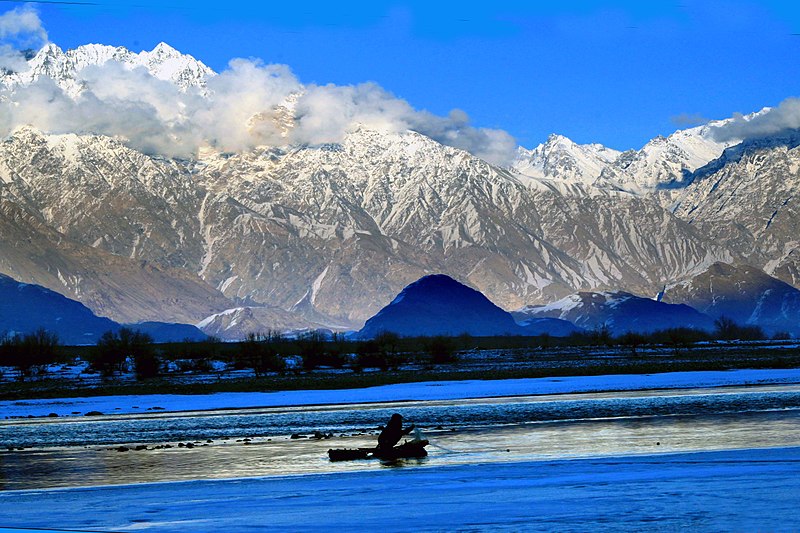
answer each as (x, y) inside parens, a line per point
(786, 116)
(19, 28)
(239, 111)
(493, 145)
(23, 25)
(236, 111)
(688, 120)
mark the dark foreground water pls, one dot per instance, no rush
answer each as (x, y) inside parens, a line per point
(81, 451)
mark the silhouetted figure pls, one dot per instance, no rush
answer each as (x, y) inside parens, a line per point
(393, 432)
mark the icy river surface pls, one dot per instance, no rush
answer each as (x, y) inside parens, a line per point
(83, 451)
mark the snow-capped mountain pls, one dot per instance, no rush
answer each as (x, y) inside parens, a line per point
(561, 158)
(663, 165)
(664, 162)
(65, 68)
(746, 200)
(49, 200)
(329, 233)
(619, 311)
(347, 226)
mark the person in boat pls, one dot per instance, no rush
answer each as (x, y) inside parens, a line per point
(393, 432)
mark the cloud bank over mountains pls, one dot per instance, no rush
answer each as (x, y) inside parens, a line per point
(784, 117)
(247, 105)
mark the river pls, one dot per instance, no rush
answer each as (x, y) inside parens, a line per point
(82, 451)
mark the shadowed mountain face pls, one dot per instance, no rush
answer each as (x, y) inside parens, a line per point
(440, 305)
(168, 332)
(620, 311)
(547, 326)
(743, 293)
(24, 308)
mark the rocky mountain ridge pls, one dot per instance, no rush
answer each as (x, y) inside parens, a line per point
(346, 226)
(328, 234)
(65, 67)
(741, 293)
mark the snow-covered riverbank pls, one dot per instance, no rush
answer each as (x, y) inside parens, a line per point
(744, 490)
(433, 390)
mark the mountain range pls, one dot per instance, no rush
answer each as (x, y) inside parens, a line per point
(292, 236)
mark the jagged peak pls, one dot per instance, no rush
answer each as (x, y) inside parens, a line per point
(94, 47)
(26, 131)
(557, 137)
(163, 62)
(50, 49)
(163, 48)
(362, 134)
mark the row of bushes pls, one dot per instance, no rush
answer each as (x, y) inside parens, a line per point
(724, 329)
(264, 353)
(31, 353)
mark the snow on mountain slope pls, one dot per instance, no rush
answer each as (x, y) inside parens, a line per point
(746, 200)
(64, 68)
(665, 162)
(236, 323)
(561, 158)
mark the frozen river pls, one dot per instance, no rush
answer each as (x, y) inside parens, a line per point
(81, 451)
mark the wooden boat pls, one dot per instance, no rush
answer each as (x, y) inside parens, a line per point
(408, 450)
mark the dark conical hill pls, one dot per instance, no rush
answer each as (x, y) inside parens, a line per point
(440, 305)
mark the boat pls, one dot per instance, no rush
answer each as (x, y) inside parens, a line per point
(408, 450)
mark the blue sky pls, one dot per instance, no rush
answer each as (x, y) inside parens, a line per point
(617, 73)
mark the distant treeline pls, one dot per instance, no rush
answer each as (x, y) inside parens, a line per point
(272, 352)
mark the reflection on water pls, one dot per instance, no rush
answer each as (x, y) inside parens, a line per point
(77, 452)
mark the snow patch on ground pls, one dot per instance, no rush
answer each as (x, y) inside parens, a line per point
(432, 390)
